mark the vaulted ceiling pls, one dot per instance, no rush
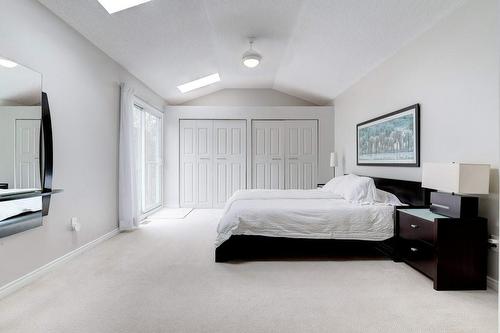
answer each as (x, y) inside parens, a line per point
(312, 49)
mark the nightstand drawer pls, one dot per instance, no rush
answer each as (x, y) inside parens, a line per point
(420, 256)
(451, 251)
(414, 228)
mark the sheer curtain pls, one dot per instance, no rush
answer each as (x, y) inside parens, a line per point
(128, 202)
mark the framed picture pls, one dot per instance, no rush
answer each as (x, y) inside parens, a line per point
(390, 140)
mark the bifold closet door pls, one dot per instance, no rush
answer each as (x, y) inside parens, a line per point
(268, 154)
(196, 152)
(212, 161)
(284, 154)
(301, 156)
(229, 159)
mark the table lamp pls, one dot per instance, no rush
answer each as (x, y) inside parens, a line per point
(458, 185)
(333, 162)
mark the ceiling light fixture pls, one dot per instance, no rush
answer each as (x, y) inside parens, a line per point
(7, 63)
(251, 58)
(113, 6)
(204, 81)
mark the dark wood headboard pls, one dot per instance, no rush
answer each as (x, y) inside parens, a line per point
(409, 192)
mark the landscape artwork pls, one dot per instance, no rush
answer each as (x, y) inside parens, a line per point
(390, 140)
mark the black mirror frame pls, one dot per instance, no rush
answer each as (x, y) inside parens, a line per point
(46, 154)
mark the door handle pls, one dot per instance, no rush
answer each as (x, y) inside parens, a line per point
(413, 249)
(414, 226)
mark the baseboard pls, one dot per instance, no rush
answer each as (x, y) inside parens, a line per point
(11, 287)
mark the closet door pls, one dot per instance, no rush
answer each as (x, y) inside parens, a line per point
(196, 163)
(229, 159)
(301, 141)
(204, 181)
(268, 154)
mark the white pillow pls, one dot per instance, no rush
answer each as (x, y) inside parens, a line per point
(388, 198)
(361, 190)
(337, 182)
(353, 188)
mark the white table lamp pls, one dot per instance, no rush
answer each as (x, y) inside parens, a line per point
(458, 178)
(458, 184)
(333, 162)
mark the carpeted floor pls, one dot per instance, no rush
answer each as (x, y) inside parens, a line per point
(170, 213)
(162, 278)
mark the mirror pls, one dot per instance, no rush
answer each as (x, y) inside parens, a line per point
(25, 145)
(20, 123)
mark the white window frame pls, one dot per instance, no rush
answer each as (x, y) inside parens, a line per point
(145, 107)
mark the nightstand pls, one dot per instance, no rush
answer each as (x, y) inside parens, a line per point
(450, 251)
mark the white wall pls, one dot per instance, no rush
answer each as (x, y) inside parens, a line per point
(83, 89)
(8, 117)
(248, 97)
(452, 71)
(175, 113)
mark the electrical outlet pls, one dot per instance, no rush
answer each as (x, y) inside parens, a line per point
(493, 242)
(75, 225)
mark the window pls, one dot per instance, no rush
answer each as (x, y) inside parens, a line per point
(148, 136)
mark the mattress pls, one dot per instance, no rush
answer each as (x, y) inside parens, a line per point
(303, 214)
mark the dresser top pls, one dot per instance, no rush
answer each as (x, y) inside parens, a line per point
(423, 213)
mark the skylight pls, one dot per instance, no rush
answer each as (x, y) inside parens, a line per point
(7, 63)
(204, 81)
(113, 6)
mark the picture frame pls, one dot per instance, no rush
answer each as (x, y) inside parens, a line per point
(392, 139)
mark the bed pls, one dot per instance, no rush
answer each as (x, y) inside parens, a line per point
(10, 209)
(13, 208)
(312, 223)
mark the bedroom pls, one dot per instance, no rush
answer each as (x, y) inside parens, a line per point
(323, 68)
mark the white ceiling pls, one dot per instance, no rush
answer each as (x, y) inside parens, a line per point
(312, 49)
(20, 86)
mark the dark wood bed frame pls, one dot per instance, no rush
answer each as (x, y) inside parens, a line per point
(242, 247)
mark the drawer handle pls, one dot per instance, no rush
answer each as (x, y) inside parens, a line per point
(414, 226)
(413, 249)
(276, 158)
(221, 158)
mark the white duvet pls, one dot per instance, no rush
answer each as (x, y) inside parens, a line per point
(13, 208)
(303, 214)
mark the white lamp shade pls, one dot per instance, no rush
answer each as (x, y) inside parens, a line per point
(333, 160)
(457, 177)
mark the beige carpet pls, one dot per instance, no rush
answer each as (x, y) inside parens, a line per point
(162, 278)
(170, 213)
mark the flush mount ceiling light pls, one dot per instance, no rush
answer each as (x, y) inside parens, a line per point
(113, 6)
(251, 58)
(7, 63)
(204, 81)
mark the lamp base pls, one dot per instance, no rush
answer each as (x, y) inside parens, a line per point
(454, 205)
